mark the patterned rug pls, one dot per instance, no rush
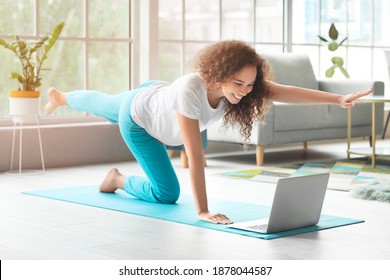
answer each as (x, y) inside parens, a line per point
(345, 175)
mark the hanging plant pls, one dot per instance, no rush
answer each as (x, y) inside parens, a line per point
(333, 45)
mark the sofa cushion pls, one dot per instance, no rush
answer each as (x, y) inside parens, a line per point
(292, 69)
(300, 117)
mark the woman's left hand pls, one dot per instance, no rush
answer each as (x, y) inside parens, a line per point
(347, 101)
(214, 218)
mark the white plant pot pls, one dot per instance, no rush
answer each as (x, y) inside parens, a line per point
(24, 110)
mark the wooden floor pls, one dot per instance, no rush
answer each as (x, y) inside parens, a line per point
(37, 228)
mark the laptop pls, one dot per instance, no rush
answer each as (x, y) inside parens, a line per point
(297, 203)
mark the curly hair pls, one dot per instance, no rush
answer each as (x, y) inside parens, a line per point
(218, 63)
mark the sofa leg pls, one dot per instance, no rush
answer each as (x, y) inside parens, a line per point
(170, 153)
(184, 159)
(305, 145)
(259, 155)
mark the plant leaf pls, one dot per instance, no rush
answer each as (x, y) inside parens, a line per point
(37, 83)
(343, 41)
(344, 71)
(22, 45)
(14, 75)
(333, 33)
(333, 46)
(54, 36)
(337, 61)
(38, 44)
(43, 58)
(11, 47)
(322, 39)
(23, 52)
(329, 73)
(17, 76)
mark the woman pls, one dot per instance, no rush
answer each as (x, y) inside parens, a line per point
(231, 81)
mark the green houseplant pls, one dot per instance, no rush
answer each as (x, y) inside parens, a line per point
(31, 54)
(333, 45)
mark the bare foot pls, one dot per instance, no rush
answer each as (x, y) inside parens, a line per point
(56, 98)
(113, 181)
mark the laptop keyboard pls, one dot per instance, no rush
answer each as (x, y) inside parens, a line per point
(258, 227)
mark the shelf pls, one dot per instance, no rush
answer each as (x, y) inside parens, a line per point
(379, 151)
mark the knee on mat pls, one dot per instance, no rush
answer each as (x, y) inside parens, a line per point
(168, 198)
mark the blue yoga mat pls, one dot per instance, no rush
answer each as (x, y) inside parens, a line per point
(183, 211)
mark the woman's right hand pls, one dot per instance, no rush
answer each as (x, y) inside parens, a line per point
(214, 218)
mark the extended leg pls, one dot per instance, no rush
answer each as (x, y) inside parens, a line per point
(90, 101)
(96, 103)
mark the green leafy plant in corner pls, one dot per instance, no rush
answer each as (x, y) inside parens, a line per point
(31, 55)
(333, 45)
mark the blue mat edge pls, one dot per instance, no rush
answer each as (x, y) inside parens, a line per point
(322, 225)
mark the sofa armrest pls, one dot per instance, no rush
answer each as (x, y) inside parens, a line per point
(263, 133)
(349, 86)
(363, 111)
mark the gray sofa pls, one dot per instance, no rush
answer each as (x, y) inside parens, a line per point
(294, 123)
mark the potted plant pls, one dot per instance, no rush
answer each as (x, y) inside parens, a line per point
(24, 102)
(333, 45)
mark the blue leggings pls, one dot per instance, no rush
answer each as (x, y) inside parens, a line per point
(161, 184)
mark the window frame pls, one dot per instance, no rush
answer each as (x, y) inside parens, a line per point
(284, 43)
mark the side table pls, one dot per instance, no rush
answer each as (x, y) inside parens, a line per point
(371, 152)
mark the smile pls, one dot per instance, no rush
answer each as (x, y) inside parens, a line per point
(237, 97)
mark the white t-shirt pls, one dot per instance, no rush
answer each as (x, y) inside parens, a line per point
(155, 107)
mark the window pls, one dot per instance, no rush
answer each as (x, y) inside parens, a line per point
(93, 52)
(97, 48)
(186, 26)
(364, 22)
